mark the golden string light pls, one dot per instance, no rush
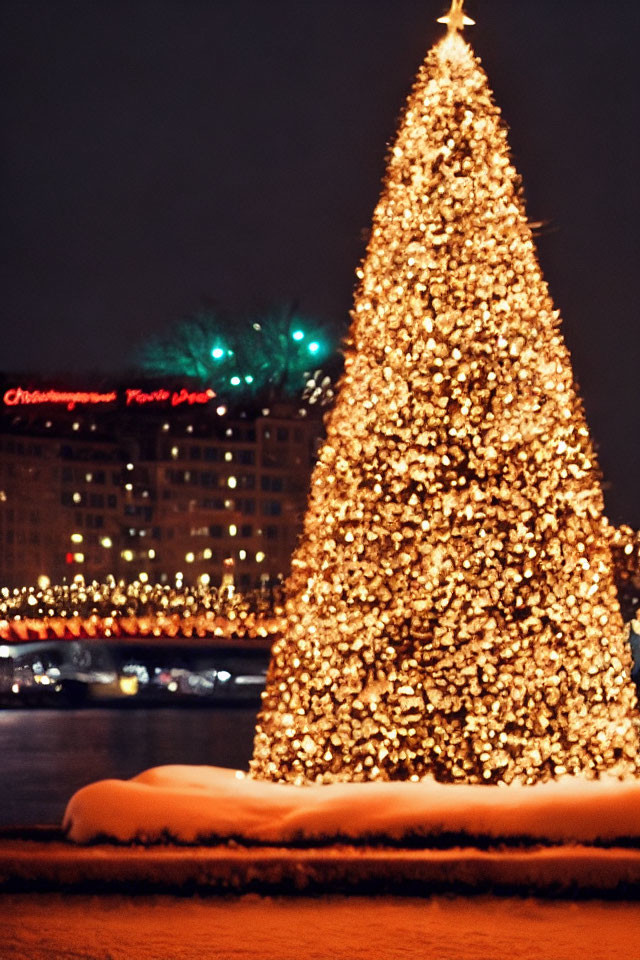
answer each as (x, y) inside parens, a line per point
(452, 609)
(137, 609)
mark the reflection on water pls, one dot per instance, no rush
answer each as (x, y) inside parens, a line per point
(48, 754)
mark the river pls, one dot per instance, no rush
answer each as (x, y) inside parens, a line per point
(49, 754)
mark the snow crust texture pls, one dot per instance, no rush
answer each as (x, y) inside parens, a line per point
(91, 928)
(192, 804)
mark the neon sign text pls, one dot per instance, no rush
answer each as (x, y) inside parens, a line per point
(185, 396)
(141, 397)
(18, 397)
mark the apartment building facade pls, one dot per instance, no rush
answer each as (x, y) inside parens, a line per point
(157, 489)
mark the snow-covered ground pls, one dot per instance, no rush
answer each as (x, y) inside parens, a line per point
(38, 927)
(191, 804)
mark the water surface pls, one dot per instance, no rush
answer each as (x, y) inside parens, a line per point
(49, 754)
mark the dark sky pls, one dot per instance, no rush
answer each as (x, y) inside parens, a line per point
(158, 154)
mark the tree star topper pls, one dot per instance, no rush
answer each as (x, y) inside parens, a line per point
(456, 18)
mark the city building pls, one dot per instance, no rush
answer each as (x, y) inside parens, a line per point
(162, 483)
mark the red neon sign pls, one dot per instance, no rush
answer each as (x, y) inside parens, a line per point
(186, 396)
(140, 397)
(18, 396)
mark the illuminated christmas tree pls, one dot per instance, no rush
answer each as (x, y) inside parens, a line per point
(452, 608)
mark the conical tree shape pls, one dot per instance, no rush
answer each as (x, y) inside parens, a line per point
(452, 607)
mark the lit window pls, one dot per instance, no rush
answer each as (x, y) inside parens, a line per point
(129, 466)
(78, 557)
(242, 554)
(228, 456)
(233, 530)
(207, 554)
(151, 554)
(260, 556)
(232, 483)
(143, 577)
(221, 411)
(77, 498)
(190, 557)
(76, 425)
(88, 477)
(106, 542)
(297, 335)
(204, 579)
(128, 486)
(190, 428)
(127, 555)
(76, 538)
(165, 427)
(235, 381)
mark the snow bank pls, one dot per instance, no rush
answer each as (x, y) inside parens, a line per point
(192, 804)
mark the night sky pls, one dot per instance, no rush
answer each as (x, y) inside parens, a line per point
(162, 154)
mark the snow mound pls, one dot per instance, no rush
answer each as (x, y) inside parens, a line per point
(190, 804)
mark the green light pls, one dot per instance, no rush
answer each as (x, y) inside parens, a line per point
(244, 357)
